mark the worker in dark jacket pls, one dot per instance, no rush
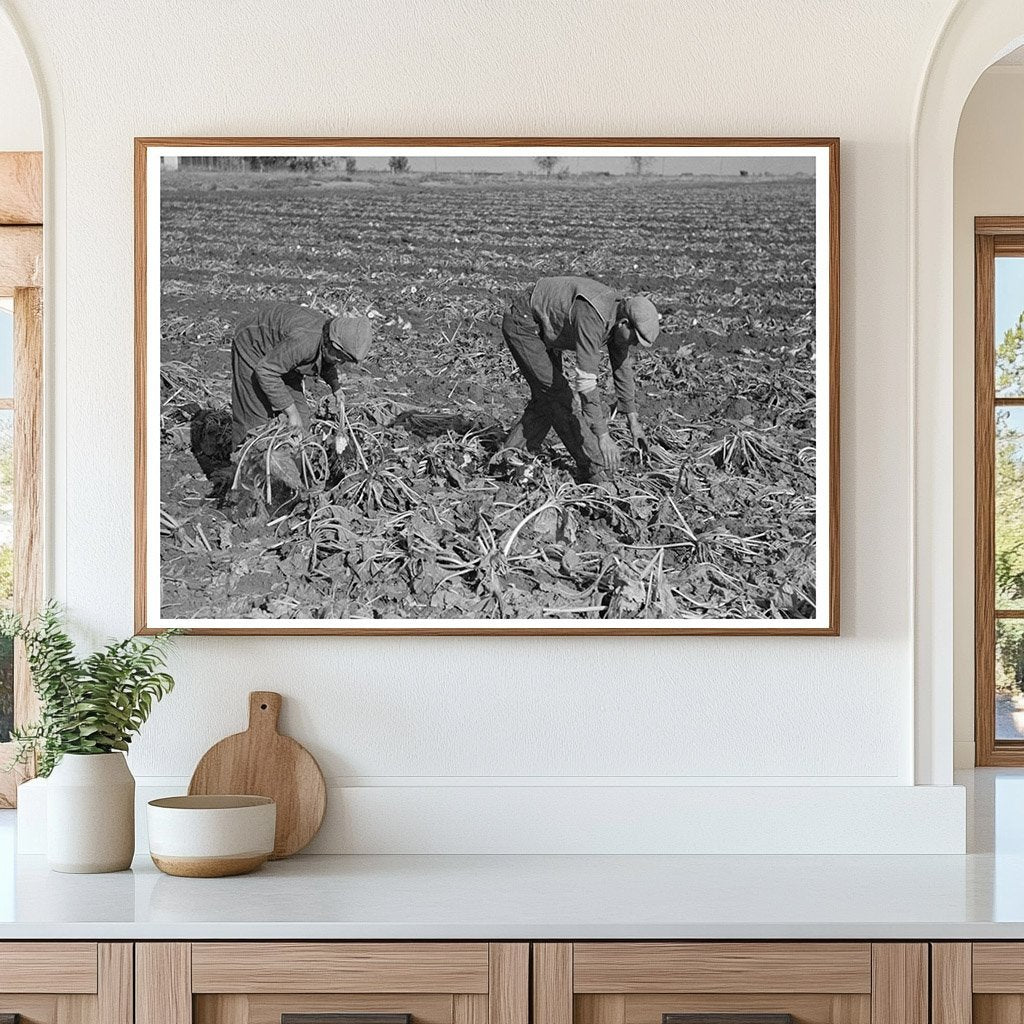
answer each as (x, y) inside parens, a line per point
(579, 314)
(279, 345)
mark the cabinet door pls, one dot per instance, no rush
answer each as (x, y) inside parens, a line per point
(332, 983)
(730, 983)
(980, 982)
(65, 983)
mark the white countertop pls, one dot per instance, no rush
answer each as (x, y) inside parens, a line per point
(977, 896)
(516, 897)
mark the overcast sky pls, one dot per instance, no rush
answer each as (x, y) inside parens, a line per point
(668, 165)
(613, 164)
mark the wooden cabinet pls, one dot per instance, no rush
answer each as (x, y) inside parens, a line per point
(978, 983)
(494, 983)
(307, 982)
(66, 982)
(753, 982)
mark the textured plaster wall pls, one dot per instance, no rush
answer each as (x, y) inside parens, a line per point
(741, 710)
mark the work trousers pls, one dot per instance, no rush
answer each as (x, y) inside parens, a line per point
(551, 397)
(250, 407)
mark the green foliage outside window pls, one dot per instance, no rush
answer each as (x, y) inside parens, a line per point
(1009, 510)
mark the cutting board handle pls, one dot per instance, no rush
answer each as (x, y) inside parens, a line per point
(264, 710)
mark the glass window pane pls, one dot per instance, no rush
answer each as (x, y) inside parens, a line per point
(1009, 679)
(1009, 325)
(6, 567)
(1009, 539)
(6, 353)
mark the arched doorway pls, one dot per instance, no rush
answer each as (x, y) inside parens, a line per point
(976, 34)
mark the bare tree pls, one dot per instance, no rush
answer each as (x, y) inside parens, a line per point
(547, 163)
(350, 165)
(639, 163)
(398, 164)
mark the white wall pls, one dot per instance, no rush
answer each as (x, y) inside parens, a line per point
(465, 711)
(21, 126)
(987, 181)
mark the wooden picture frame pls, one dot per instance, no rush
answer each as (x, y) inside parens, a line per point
(824, 154)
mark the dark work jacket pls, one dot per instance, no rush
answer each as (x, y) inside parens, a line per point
(578, 313)
(279, 340)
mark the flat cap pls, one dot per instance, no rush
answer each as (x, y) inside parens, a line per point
(351, 335)
(643, 315)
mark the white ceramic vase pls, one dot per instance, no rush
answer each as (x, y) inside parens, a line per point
(90, 814)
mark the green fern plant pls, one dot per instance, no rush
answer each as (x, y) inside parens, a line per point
(90, 705)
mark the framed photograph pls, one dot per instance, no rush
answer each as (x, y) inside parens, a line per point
(499, 386)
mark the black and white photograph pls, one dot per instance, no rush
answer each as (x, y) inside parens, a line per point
(468, 387)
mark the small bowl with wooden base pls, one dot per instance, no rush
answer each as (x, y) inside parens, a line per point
(211, 836)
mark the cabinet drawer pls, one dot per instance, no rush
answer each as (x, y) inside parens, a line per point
(730, 983)
(66, 982)
(64, 967)
(340, 967)
(634, 967)
(332, 983)
(998, 967)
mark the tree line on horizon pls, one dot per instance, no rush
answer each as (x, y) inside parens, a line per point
(548, 165)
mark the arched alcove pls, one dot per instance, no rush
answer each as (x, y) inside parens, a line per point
(986, 182)
(975, 35)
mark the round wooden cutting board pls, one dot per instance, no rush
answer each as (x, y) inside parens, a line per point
(262, 762)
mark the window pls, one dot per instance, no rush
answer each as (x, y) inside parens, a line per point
(999, 490)
(21, 375)
(21, 320)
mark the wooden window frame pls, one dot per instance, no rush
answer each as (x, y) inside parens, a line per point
(993, 237)
(21, 278)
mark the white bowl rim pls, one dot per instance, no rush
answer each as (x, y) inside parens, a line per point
(212, 802)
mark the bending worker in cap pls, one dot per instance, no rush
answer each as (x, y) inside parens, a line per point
(580, 314)
(279, 345)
